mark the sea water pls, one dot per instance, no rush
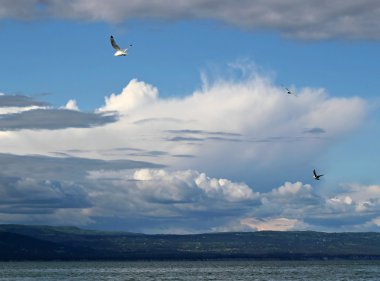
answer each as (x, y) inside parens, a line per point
(191, 270)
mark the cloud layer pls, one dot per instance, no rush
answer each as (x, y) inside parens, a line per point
(53, 119)
(19, 112)
(252, 123)
(296, 18)
(19, 101)
(160, 200)
(234, 155)
(247, 130)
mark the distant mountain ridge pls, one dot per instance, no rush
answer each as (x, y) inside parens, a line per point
(23, 242)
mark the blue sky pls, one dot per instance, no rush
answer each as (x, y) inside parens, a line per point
(195, 122)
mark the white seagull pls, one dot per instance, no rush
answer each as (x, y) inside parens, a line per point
(315, 176)
(119, 52)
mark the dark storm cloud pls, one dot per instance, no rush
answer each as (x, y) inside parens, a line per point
(126, 149)
(185, 139)
(53, 119)
(41, 185)
(61, 154)
(340, 219)
(21, 9)
(136, 196)
(188, 135)
(141, 152)
(303, 19)
(201, 136)
(284, 139)
(314, 131)
(184, 155)
(19, 101)
(153, 153)
(224, 139)
(61, 169)
(129, 151)
(154, 120)
(180, 199)
(31, 196)
(202, 132)
(76, 151)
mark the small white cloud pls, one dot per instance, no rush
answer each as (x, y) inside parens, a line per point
(341, 200)
(149, 174)
(361, 197)
(275, 224)
(376, 221)
(133, 96)
(347, 200)
(224, 188)
(71, 105)
(292, 188)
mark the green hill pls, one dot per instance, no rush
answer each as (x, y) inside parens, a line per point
(19, 242)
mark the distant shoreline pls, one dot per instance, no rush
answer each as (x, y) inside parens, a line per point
(48, 243)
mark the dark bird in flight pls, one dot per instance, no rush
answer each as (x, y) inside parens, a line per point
(315, 176)
(289, 92)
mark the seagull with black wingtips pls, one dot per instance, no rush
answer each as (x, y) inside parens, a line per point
(316, 176)
(119, 52)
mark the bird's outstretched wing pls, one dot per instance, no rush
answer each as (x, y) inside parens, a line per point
(114, 45)
(315, 174)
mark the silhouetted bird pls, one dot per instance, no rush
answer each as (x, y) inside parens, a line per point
(289, 92)
(315, 176)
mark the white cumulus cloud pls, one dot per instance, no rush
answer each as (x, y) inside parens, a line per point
(234, 152)
(241, 130)
(136, 94)
(180, 186)
(71, 105)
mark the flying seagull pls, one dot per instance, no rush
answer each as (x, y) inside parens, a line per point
(119, 52)
(289, 92)
(315, 176)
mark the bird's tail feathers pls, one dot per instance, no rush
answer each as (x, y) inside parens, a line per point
(125, 50)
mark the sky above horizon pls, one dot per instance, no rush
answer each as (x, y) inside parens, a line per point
(193, 131)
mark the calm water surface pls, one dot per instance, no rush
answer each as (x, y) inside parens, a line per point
(191, 270)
